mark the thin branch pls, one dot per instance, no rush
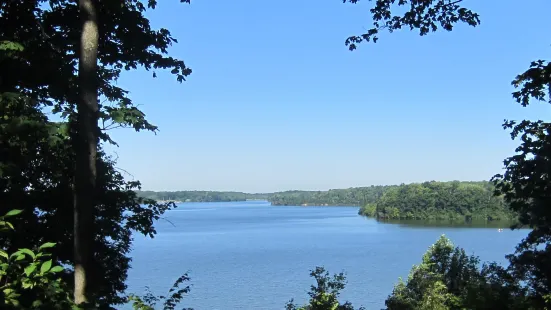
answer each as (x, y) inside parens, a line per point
(125, 171)
(164, 218)
(46, 36)
(116, 154)
(114, 127)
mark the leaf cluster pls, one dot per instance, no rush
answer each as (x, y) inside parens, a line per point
(29, 279)
(325, 293)
(175, 295)
(422, 15)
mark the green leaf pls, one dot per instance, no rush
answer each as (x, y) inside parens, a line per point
(42, 254)
(47, 245)
(4, 254)
(13, 213)
(27, 284)
(56, 269)
(8, 291)
(37, 303)
(16, 254)
(4, 224)
(46, 266)
(26, 251)
(10, 46)
(30, 269)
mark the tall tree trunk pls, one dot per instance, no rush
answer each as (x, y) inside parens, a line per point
(86, 151)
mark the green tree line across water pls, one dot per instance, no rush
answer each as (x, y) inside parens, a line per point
(440, 201)
(427, 201)
(356, 196)
(200, 196)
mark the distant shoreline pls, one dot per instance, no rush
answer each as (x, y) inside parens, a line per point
(191, 201)
(285, 205)
(354, 196)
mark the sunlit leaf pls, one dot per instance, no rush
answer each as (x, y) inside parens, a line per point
(56, 269)
(30, 269)
(13, 213)
(47, 245)
(46, 266)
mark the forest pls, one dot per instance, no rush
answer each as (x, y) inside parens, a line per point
(69, 214)
(200, 196)
(357, 196)
(440, 201)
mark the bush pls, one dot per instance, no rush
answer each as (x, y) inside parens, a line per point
(30, 279)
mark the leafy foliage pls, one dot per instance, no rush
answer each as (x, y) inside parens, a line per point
(334, 197)
(200, 196)
(29, 279)
(439, 200)
(324, 295)
(174, 297)
(348, 197)
(38, 69)
(37, 169)
(46, 34)
(424, 16)
(526, 185)
(449, 279)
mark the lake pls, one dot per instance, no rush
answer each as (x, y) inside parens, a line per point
(250, 255)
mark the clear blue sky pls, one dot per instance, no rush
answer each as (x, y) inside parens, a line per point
(277, 102)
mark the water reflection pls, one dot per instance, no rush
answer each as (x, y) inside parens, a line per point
(505, 225)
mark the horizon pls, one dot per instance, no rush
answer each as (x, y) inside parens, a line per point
(281, 112)
(305, 190)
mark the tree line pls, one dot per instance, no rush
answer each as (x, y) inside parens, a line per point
(200, 196)
(68, 213)
(440, 201)
(356, 196)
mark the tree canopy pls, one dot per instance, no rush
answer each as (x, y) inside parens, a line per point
(525, 182)
(441, 201)
(325, 294)
(423, 16)
(43, 37)
(200, 196)
(37, 172)
(449, 279)
(356, 196)
(526, 185)
(42, 55)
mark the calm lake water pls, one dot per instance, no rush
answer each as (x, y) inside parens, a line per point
(250, 255)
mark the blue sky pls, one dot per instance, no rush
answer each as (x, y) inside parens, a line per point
(277, 102)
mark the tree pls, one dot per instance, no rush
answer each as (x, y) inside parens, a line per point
(53, 39)
(36, 173)
(449, 279)
(356, 196)
(29, 278)
(525, 184)
(173, 298)
(324, 295)
(440, 200)
(86, 146)
(424, 16)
